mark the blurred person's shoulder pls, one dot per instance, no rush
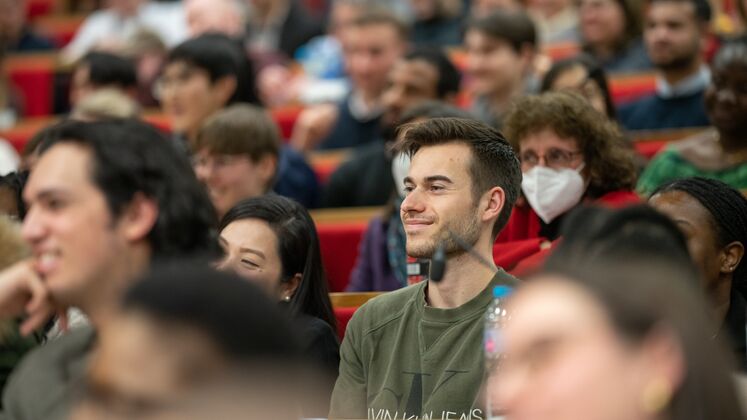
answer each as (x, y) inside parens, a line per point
(46, 380)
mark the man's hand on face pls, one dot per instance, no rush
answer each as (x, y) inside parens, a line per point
(23, 292)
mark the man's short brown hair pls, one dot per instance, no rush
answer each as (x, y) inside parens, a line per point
(380, 16)
(239, 129)
(493, 162)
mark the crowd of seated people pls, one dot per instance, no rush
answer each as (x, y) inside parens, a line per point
(216, 179)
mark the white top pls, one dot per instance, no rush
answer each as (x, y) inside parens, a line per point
(9, 159)
(167, 20)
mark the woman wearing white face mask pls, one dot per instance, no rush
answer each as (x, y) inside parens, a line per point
(570, 153)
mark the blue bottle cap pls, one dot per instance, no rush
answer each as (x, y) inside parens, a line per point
(501, 291)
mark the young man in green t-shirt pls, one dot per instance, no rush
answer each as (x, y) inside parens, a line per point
(417, 352)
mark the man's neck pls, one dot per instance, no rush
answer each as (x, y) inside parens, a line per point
(464, 278)
(500, 101)
(675, 76)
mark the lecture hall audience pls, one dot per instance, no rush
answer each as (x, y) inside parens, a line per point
(547, 113)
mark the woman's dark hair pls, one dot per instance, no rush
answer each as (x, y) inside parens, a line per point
(449, 77)
(608, 156)
(298, 247)
(220, 56)
(644, 287)
(594, 71)
(728, 209)
(591, 232)
(130, 157)
(16, 181)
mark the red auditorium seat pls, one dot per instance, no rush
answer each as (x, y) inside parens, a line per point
(339, 248)
(33, 75)
(59, 28)
(649, 142)
(345, 305)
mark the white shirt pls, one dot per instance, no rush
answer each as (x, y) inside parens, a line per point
(167, 20)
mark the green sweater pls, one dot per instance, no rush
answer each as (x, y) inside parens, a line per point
(403, 360)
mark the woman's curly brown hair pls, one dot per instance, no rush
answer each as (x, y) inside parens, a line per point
(608, 156)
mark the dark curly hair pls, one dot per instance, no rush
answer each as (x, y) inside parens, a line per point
(608, 156)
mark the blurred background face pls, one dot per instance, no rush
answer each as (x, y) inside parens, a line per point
(672, 34)
(142, 367)
(205, 16)
(602, 22)
(187, 96)
(549, 8)
(423, 9)
(410, 82)
(341, 16)
(697, 225)
(561, 356)
(370, 52)
(229, 178)
(576, 79)
(726, 98)
(251, 248)
(494, 66)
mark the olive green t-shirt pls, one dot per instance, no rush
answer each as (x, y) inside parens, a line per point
(403, 360)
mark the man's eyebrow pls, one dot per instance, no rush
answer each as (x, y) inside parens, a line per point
(434, 178)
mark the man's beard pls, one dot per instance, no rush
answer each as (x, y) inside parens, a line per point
(465, 232)
(680, 62)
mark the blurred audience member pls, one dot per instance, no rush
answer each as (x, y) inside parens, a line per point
(500, 54)
(105, 200)
(373, 43)
(13, 346)
(97, 70)
(381, 264)
(271, 241)
(365, 179)
(11, 100)
(11, 195)
(105, 104)
(611, 33)
(482, 8)
(148, 53)
(279, 26)
(109, 28)
(223, 16)
(713, 218)
(238, 154)
(437, 22)
(583, 75)
(184, 330)
(557, 20)
(654, 337)
(201, 76)
(323, 78)
(721, 152)
(15, 33)
(570, 154)
(675, 34)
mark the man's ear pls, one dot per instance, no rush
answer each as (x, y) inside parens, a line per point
(138, 218)
(224, 88)
(493, 200)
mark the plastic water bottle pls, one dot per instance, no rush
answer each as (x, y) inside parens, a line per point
(495, 318)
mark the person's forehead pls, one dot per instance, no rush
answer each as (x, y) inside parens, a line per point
(416, 70)
(672, 9)
(62, 163)
(453, 156)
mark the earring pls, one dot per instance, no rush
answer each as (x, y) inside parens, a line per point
(287, 298)
(656, 395)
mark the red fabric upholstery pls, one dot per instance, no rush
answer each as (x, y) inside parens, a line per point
(343, 316)
(33, 75)
(508, 254)
(35, 8)
(648, 149)
(59, 28)
(339, 248)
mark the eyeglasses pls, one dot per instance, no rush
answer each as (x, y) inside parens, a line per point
(165, 83)
(215, 162)
(554, 158)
